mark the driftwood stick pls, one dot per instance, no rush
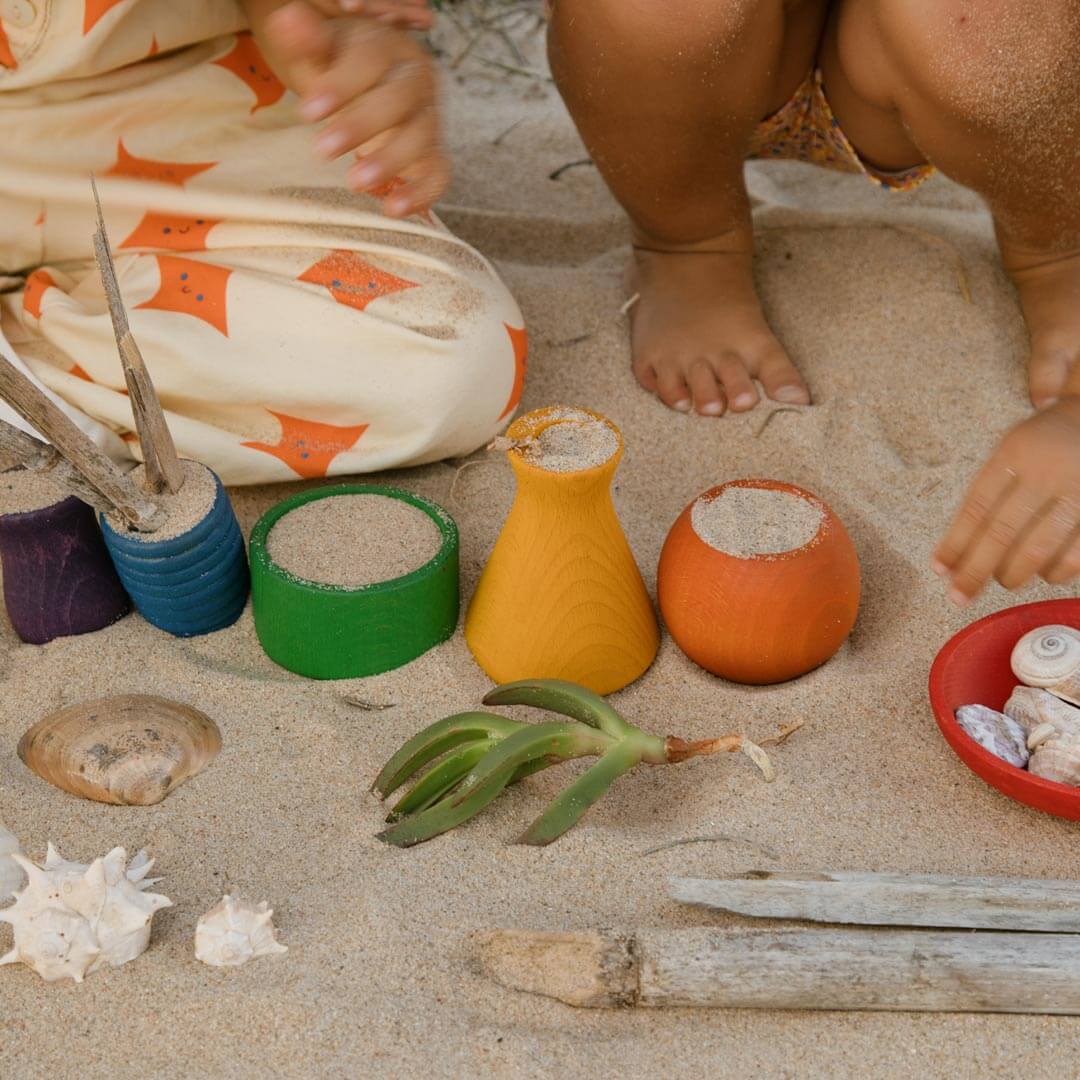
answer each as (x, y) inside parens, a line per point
(879, 970)
(162, 465)
(34, 455)
(77, 448)
(982, 903)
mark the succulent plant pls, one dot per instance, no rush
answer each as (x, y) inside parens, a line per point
(473, 756)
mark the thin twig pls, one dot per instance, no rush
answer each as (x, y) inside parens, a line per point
(782, 736)
(717, 838)
(776, 412)
(367, 706)
(567, 167)
(497, 141)
(624, 310)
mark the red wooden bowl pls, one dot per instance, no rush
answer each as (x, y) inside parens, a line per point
(765, 618)
(973, 669)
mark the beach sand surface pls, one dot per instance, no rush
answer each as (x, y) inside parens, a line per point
(902, 320)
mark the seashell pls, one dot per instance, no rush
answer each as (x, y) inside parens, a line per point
(11, 875)
(1049, 657)
(1031, 707)
(1056, 755)
(996, 732)
(130, 750)
(72, 919)
(233, 932)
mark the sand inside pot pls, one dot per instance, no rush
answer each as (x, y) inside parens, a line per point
(23, 490)
(579, 441)
(749, 521)
(184, 510)
(353, 540)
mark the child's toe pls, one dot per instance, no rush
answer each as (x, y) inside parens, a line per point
(780, 378)
(708, 396)
(738, 385)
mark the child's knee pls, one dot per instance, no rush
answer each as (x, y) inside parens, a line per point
(996, 64)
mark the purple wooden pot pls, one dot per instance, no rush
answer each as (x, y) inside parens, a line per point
(58, 577)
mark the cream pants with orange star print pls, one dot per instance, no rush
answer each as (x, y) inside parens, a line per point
(290, 328)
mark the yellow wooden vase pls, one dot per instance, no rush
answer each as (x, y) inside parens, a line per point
(561, 596)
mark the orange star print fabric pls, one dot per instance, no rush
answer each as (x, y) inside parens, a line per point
(291, 330)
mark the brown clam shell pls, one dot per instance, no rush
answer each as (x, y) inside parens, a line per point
(130, 750)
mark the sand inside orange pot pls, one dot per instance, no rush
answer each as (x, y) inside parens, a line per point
(747, 522)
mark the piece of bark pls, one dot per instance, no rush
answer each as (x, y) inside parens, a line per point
(77, 449)
(877, 970)
(983, 903)
(162, 465)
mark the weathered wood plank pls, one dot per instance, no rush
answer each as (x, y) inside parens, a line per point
(984, 903)
(877, 970)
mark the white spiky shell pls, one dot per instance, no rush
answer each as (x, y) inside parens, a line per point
(1056, 726)
(1048, 657)
(234, 931)
(72, 919)
(11, 875)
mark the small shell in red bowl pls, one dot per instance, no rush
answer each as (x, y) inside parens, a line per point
(973, 669)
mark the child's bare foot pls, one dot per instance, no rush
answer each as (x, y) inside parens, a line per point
(1050, 295)
(699, 337)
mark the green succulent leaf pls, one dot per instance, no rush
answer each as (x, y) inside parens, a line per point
(441, 778)
(437, 739)
(533, 742)
(567, 810)
(565, 698)
(445, 814)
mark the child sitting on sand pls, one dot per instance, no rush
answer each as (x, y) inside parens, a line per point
(301, 312)
(671, 97)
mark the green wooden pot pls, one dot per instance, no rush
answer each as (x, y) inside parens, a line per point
(333, 632)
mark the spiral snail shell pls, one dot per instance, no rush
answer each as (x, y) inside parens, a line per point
(1049, 657)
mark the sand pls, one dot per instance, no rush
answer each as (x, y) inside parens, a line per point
(353, 540)
(747, 521)
(23, 490)
(184, 510)
(912, 383)
(572, 445)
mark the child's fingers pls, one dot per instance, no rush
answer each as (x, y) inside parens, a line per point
(365, 55)
(1043, 547)
(422, 190)
(406, 96)
(408, 144)
(990, 548)
(300, 33)
(990, 486)
(414, 14)
(1066, 565)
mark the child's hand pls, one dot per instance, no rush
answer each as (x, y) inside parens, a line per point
(1021, 517)
(414, 14)
(378, 88)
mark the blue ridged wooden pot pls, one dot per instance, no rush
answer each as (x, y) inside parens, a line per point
(190, 584)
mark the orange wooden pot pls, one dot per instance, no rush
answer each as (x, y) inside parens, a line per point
(766, 618)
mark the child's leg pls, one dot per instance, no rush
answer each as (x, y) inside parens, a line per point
(989, 91)
(666, 97)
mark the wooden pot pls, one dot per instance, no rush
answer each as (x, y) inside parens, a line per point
(58, 577)
(763, 619)
(190, 584)
(561, 596)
